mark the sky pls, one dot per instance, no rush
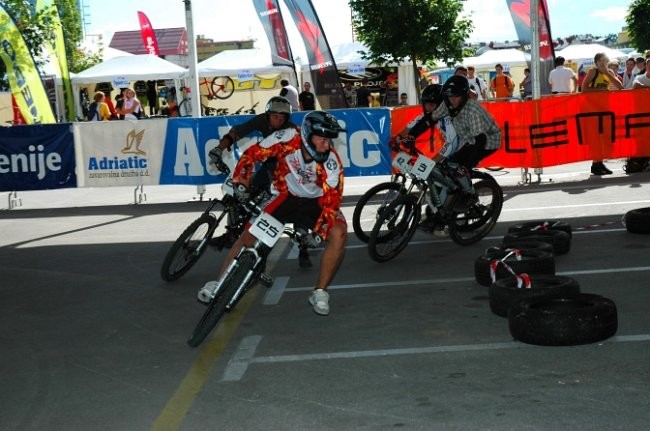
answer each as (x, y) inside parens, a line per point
(223, 20)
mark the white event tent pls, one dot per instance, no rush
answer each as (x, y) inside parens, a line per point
(580, 54)
(256, 75)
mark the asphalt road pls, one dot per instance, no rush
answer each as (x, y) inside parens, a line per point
(93, 339)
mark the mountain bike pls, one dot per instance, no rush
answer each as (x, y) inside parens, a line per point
(221, 87)
(194, 240)
(243, 272)
(469, 216)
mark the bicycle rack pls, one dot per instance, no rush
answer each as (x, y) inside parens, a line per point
(527, 178)
(13, 200)
(140, 196)
(201, 189)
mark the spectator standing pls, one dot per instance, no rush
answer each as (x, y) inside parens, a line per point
(501, 85)
(561, 77)
(363, 94)
(640, 65)
(600, 78)
(403, 99)
(306, 98)
(614, 66)
(98, 110)
(477, 83)
(374, 100)
(350, 94)
(643, 81)
(629, 74)
(526, 85)
(290, 93)
(131, 109)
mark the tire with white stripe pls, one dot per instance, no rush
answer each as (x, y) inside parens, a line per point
(504, 293)
(531, 262)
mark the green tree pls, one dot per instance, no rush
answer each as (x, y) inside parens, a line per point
(419, 30)
(637, 21)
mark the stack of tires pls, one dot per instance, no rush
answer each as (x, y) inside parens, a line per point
(542, 308)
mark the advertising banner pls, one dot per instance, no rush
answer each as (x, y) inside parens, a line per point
(119, 153)
(24, 80)
(148, 35)
(37, 157)
(270, 16)
(362, 147)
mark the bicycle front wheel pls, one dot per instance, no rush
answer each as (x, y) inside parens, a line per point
(185, 108)
(371, 205)
(219, 305)
(394, 228)
(188, 248)
(480, 218)
(223, 87)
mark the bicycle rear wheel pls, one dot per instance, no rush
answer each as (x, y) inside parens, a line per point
(185, 108)
(472, 225)
(219, 305)
(188, 248)
(222, 87)
(394, 228)
(371, 205)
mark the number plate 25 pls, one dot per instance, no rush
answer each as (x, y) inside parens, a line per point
(267, 229)
(422, 167)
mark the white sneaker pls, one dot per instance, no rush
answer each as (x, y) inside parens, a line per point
(319, 299)
(441, 231)
(206, 293)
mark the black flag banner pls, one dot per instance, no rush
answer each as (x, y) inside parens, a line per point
(325, 78)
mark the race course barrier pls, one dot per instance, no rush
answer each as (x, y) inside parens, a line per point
(550, 131)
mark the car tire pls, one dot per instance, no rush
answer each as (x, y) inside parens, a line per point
(637, 220)
(531, 262)
(560, 240)
(542, 225)
(505, 293)
(563, 321)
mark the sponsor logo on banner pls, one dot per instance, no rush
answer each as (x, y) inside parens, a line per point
(133, 164)
(245, 75)
(357, 68)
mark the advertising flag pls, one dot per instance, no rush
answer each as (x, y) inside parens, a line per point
(148, 35)
(271, 18)
(57, 56)
(520, 12)
(325, 78)
(24, 80)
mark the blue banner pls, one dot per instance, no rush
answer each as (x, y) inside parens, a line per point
(37, 157)
(362, 148)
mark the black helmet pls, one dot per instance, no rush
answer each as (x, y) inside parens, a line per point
(432, 93)
(278, 105)
(319, 123)
(456, 85)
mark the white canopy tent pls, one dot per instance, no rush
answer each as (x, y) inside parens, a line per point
(506, 57)
(349, 54)
(256, 75)
(125, 68)
(583, 54)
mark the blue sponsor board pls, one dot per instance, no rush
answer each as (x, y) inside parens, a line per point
(362, 147)
(37, 157)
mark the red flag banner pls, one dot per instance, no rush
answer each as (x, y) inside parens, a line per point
(271, 18)
(520, 12)
(560, 129)
(325, 78)
(148, 35)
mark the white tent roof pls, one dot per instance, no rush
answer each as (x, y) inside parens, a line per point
(507, 57)
(587, 51)
(131, 68)
(230, 62)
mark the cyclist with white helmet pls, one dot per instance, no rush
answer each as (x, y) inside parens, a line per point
(307, 190)
(276, 116)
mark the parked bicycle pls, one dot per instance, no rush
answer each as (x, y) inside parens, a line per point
(242, 273)
(469, 217)
(221, 87)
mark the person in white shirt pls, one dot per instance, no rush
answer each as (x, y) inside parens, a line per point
(629, 73)
(643, 81)
(291, 94)
(477, 83)
(561, 77)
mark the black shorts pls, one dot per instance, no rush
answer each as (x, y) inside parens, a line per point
(302, 212)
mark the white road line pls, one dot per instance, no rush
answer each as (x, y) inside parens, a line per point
(244, 355)
(274, 294)
(601, 204)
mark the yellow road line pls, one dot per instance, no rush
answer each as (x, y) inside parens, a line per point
(176, 409)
